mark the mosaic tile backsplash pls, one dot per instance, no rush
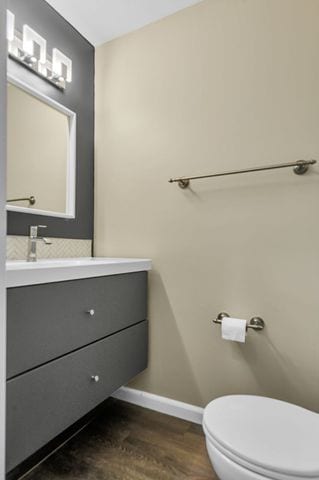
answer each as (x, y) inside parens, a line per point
(17, 247)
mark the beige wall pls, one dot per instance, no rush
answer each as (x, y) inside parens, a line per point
(38, 138)
(222, 85)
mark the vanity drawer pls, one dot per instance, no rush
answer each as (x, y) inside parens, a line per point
(44, 402)
(50, 320)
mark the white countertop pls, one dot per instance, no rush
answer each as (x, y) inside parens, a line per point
(20, 272)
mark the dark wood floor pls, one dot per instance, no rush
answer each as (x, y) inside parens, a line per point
(130, 443)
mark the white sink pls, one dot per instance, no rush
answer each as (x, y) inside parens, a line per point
(21, 272)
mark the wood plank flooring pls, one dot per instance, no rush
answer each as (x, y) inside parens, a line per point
(127, 442)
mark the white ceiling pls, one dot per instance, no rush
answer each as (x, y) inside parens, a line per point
(102, 20)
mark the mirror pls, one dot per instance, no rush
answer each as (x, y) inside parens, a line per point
(40, 152)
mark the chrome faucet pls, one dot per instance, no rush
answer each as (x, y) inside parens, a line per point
(32, 244)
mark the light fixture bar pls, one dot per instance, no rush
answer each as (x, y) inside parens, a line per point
(30, 50)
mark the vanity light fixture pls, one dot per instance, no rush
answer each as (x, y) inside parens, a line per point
(10, 26)
(34, 47)
(61, 65)
(30, 49)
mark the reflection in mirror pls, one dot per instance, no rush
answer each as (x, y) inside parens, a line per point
(41, 154)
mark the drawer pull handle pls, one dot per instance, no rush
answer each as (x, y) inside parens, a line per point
(95, 378)
(91, 312)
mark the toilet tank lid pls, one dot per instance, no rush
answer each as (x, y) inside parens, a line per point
(264, 432)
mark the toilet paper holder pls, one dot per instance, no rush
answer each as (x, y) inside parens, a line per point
(256, 323)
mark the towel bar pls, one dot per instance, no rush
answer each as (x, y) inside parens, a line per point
(299, 167)
(31, 200)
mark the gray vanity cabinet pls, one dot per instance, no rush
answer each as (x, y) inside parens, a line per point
(55, 383)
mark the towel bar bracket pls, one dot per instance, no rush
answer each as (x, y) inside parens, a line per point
(301, 168)
(183, 183)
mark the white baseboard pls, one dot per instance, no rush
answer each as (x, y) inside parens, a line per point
(160, 404)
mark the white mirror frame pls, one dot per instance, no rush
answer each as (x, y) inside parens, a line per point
(71, 163)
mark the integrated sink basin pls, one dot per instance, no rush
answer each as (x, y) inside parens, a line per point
(21, 272)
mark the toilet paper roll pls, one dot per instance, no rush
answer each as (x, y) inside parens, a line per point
(234, 329)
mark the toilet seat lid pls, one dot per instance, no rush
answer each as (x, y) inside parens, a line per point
(267, 433)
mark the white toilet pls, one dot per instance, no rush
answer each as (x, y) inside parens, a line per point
(256, 438)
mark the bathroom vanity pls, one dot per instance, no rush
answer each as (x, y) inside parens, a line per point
(76, 328)
(76, 331)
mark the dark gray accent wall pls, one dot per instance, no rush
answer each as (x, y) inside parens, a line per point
(79, 97)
